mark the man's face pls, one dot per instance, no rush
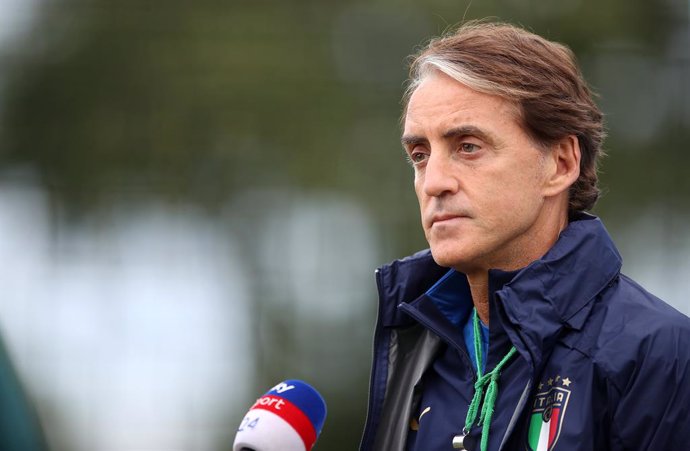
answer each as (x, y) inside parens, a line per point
(478, 177)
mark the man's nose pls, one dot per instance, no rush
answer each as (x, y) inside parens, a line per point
(439, 176)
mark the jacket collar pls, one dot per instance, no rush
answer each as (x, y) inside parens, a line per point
(403, 281)
(558, 291)
(534, 304)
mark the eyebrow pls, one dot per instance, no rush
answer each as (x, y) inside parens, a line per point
(455, 132)
(412, 140)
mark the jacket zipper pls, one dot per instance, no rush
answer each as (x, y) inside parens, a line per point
(516, 413)
(524, 397)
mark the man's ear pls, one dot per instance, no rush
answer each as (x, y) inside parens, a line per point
(564, 165)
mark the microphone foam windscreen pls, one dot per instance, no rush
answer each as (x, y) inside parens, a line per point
(289, 417)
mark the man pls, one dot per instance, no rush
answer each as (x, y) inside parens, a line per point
(516, 331)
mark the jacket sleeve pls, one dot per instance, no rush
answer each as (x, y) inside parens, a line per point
(653, 411)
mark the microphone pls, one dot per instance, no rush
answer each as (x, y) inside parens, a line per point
(288, 417)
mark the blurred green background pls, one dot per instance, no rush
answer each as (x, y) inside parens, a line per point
(194, 195)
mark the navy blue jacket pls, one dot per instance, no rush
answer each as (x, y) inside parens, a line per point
(601, 364)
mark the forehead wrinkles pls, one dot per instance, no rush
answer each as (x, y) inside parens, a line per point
(432, 71)
(449, 104)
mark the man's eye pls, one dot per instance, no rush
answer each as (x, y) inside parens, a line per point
(418, 157)
(469, 147)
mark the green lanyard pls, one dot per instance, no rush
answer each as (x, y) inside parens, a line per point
(490, 379)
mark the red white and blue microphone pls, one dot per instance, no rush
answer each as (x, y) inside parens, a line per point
(289, 417)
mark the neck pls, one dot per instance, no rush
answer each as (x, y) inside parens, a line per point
(531, 247)
(479, 287)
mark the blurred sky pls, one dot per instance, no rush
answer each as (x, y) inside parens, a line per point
(15, 18)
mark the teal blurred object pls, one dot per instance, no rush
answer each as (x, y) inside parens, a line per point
(19, 426)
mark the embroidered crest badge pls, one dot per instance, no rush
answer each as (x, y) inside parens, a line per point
(548, 411)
